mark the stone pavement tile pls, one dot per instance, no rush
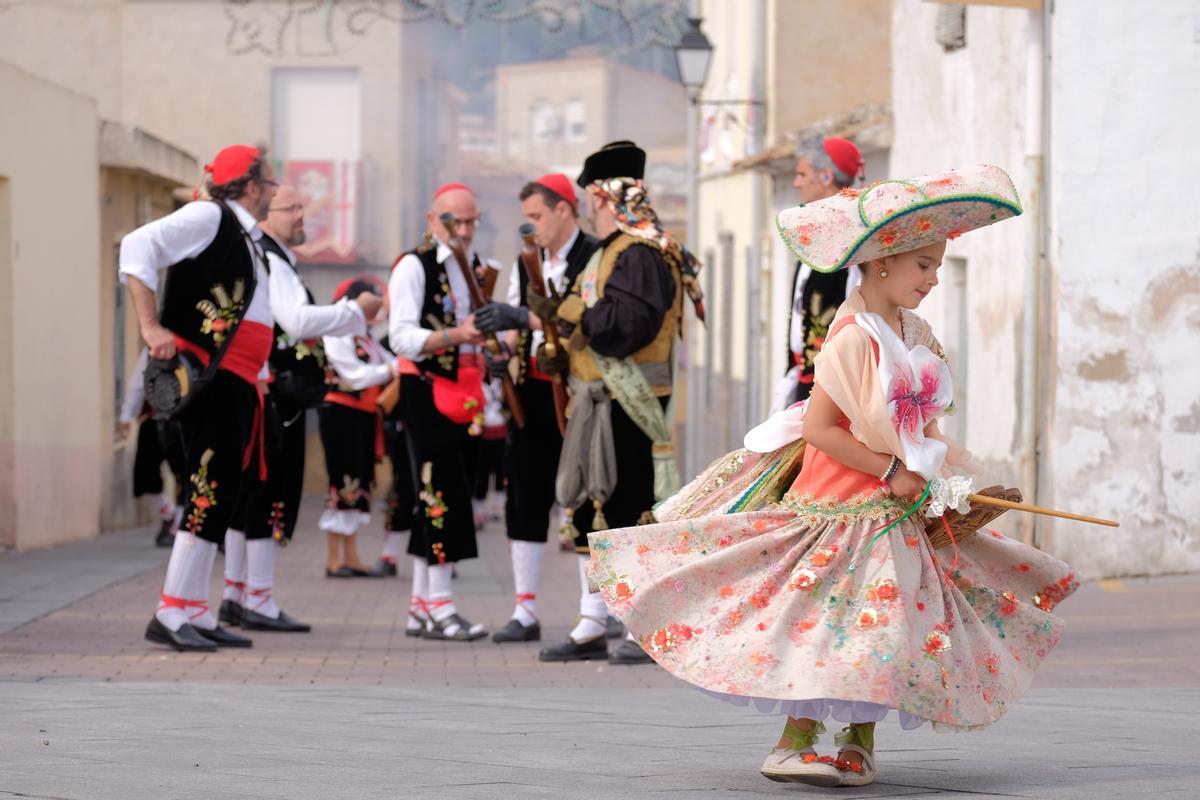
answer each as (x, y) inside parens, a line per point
(358, 635)
(36, 583)
(1134, 632)
(127, 740)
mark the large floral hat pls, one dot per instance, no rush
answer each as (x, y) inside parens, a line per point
(896, 216)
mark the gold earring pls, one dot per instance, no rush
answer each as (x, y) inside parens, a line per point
(883, 273)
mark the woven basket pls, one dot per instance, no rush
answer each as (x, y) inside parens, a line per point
(963, 526)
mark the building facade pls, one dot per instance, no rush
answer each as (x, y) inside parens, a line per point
(781, 72)
(1074, 325)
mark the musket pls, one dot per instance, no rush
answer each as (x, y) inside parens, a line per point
(490, 274)
(478, 301)
(531, 257)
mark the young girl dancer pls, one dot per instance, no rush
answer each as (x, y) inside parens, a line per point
(817, 594)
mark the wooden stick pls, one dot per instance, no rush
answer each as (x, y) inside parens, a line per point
(996, 502)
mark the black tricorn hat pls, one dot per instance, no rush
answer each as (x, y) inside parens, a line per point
(621, 159)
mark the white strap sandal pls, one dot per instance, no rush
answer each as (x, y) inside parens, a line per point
(856, 774)
(786, 765)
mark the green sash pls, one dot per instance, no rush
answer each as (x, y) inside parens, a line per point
(628, 386)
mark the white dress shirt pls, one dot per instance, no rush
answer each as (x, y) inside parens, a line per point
(184, 234)
(301, 319)
(554, 267)
(406, 293)
(342, 352)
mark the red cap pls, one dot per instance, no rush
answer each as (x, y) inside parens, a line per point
(365, 283)
(561, 185)
(845, 155)
(231, 163)
(449, 187)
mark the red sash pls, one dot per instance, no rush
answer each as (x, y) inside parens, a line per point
(245, 357)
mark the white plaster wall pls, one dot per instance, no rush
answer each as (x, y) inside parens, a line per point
(1124, 439)
(958, 109)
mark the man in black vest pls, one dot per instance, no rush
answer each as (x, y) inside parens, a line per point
(824, 167)
(432, 330)
(215, 309)
(550, 205)
(266, 515)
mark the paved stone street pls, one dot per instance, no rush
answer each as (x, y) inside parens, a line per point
(358, 710)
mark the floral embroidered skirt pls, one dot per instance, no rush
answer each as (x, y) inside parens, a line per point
(793, 608)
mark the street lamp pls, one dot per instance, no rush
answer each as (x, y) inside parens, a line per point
(693, 55)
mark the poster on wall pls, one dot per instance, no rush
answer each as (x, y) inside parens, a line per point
(330, 192)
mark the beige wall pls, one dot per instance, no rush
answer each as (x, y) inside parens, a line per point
(172, 68)
(50, 431)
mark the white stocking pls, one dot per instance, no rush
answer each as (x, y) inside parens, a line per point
(441, 599)
(592, 611)
(392, 547)
(260, 558)
(235, 565)
(420, 592)
(527, 574)
(185, 548)
(198, 579)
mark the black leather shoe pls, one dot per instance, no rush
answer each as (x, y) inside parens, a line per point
(164, 538)
(630, 653)
(223, 638)
(341, 572)
(613, 629)
(384, 569)
(570, 650)
(253, 621)
(230, 613)
(186, 639)
(514, 631)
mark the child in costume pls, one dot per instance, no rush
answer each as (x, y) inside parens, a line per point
(795, 574)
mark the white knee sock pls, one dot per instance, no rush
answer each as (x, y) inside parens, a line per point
(393, 546)
(199, 578)
(527, 574)
(183, 551)
(420, 591)
(441, 599)
(592, 611)
(260, 560)
(166, 508)
(235, 566)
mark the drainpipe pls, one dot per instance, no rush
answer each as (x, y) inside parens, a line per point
(1037, 161)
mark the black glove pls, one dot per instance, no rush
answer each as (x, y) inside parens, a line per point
(558, 365)
(501, 317)
(545, 308)
(497, 366)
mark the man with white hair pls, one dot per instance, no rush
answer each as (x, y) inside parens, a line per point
(824, 167)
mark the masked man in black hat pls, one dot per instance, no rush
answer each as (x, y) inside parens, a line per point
(623, 314)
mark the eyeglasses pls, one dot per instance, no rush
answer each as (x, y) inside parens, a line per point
(471, 222)
(267, 182)
(295, 208)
